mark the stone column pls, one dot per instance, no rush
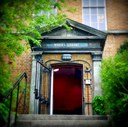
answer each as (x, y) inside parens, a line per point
(35, 84)
(96, 57)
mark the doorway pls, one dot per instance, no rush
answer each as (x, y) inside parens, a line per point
(67, 89)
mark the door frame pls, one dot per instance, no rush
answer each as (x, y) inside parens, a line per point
(51, 93)
(51, 86)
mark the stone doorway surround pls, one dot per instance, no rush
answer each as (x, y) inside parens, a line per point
(81, 39)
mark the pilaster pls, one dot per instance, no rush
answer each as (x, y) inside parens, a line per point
(35, 88)
(96, 57)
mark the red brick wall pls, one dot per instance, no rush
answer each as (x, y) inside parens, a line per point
(73, 9)
(117, 19)
(112, 44)
(117, 14)
(23, 64)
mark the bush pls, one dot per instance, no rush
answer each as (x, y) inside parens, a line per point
(114, 76)
(123, 47)
(98, 105)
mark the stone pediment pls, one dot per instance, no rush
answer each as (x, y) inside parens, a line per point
(63, 32)
(78, 30)
(80, 39)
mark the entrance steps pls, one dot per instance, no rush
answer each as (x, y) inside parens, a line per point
(32, 120)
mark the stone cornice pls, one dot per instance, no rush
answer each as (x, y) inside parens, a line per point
(117, 32)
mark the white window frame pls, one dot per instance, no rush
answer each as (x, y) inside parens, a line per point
(105, 16)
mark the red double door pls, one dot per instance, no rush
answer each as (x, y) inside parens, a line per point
(67, 89)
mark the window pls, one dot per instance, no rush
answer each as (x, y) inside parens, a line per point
(94, 14)
(53, 11)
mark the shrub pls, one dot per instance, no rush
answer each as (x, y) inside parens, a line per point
(114, 76)
(123, 47)
(98, 105)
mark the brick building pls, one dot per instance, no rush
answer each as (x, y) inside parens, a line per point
(65, 58)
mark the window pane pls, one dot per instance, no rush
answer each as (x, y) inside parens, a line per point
(102, 26)
(94, 13)
(93, 10)
(93, 18)
(101, 18)
(86, 11)
(86, 3)
(94, 25)
(87, 23)
(54, 11)
(101, 11)
(101, 3)
(54, 0)
(86, 18)
(93, 2)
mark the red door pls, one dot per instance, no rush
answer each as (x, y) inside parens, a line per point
(67, 89)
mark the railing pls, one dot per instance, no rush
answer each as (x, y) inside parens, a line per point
(9, 95)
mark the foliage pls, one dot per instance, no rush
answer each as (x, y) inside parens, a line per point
(123, 47)
(114, 75)
(4, 112)
(20, 21)
(98, 105)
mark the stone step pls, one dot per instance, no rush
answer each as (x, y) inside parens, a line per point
(62, 121)
(61, 117)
